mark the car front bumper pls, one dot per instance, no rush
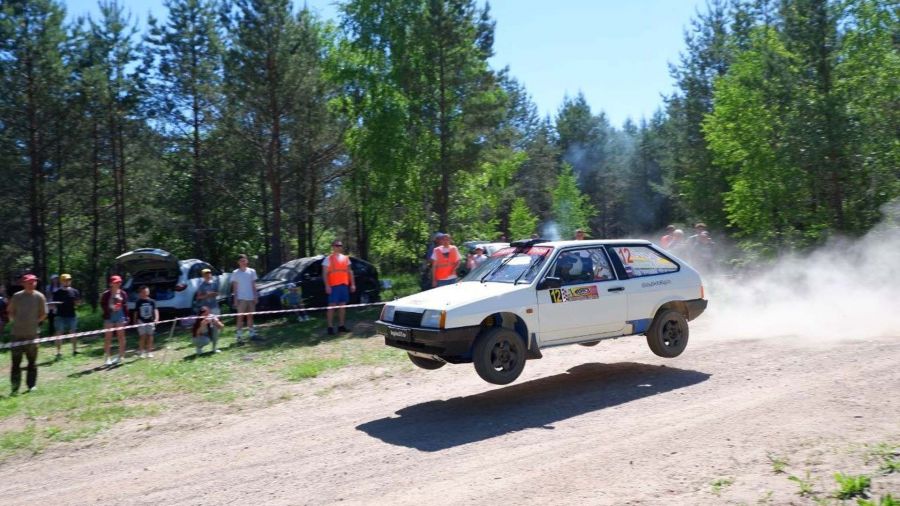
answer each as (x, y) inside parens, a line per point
(452, 345)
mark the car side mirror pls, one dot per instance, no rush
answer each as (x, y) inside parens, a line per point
(549, 282)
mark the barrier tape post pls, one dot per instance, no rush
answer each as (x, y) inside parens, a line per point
(174, 322)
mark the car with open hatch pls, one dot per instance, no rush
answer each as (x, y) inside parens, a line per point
(538, 294)
(173, 283)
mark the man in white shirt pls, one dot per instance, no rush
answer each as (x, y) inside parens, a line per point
(244, 294)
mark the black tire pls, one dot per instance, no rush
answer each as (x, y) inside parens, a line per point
(499, 356)
(425, 363)
(592, 343)
(668, 334)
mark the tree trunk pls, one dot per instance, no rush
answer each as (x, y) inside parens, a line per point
(93, 270)
(443, 196)
(273, 160)
(36, 179)
(198, 206)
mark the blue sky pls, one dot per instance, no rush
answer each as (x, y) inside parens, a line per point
(615, 52)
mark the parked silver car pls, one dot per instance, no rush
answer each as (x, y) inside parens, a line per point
(173, 283)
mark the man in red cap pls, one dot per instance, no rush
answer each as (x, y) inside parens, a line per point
(113, 303)
(27, 309)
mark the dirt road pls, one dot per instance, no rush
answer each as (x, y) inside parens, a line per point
(612, 424)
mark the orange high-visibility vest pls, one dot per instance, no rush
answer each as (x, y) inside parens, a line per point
(445, 265)
(338, 270)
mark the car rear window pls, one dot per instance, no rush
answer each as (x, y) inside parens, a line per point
(640, 261)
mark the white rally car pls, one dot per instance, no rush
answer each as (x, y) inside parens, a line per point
(538, 294)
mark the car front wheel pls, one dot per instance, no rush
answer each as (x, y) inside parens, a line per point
(425, 363)
(668, 334)
(499, 356)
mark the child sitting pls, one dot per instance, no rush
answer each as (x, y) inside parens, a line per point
(291, 298)
(206, 330)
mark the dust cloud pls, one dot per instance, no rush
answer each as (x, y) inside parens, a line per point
(844, 290)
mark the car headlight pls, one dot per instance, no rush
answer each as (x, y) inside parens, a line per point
(434, 318)
(387, 313)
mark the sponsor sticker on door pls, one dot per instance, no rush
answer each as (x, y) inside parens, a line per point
(558, 295)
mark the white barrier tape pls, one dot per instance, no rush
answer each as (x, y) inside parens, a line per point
(63, 337)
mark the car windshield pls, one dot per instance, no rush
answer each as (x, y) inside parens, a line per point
(510, 266)
(282, 273)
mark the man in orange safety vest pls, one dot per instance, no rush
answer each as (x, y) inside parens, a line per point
(339, 284)
(444, 261)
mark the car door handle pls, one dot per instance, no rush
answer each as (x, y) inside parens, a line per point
(616, 289)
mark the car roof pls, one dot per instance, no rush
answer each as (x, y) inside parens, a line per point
(593, 242)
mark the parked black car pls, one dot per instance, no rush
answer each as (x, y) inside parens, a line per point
(306, 273)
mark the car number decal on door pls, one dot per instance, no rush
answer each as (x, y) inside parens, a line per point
(558, 295)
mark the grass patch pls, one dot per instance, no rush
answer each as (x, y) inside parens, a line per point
(887, 456)
(779, 464)
(887, 500)
(852, 485)
(805, 484)
(15, 440)
(312, 368)
(721, 484)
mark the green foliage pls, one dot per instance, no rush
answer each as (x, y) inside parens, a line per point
(720, 484)
(778, 463)
(852, 485)
(522, 223)
(571, 208)
(886, 500)
(805, 484)
(312, 368)
(256, 128)
(479, 195)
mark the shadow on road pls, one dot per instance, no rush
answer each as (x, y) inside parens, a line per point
(438, 425)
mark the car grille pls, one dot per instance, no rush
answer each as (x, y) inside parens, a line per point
(407, 318)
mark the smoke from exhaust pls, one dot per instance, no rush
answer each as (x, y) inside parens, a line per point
(845, 290)
(550, 231)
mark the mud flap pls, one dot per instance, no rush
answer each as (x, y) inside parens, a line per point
(533, 350)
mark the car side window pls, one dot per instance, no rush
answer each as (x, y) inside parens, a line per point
(588, 265)
(640, 261)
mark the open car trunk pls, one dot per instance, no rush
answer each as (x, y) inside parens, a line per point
(155, 268)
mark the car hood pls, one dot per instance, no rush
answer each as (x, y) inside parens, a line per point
(148, 259)
(456, 296)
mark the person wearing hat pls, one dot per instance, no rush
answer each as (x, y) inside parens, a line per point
(27, 309)
(339, 284)
(66, 298)
(113, 304)
(476, 258)
(580, 235)
(208, 292)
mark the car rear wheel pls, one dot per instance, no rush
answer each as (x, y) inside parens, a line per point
(425, 363)
(668, 334)
(499, 356)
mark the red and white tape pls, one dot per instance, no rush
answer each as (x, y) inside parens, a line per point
(63, 337)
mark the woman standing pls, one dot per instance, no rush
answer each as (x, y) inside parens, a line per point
(113, 302)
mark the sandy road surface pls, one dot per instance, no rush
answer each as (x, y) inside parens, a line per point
(612, 424)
